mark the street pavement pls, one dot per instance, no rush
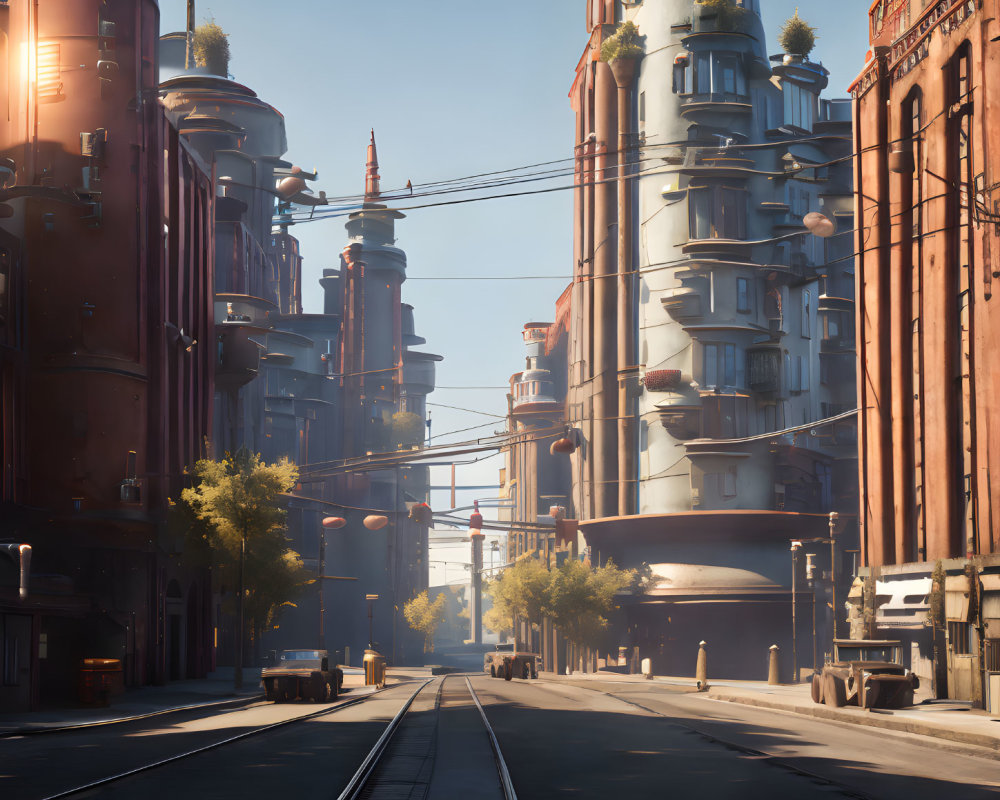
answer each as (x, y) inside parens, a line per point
(652, 739)
(215, 691)
(600, 735)
(950, 721)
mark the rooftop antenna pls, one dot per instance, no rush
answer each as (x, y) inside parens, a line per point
(188, 54)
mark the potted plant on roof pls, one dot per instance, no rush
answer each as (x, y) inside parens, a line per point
(797, 38)
(622, 51)
(211, 48)
(728, 16)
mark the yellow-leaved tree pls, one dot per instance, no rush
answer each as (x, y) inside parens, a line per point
(238, 520)
(425, 616)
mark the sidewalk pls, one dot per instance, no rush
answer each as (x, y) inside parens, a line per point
(215, 690)
(942, 719)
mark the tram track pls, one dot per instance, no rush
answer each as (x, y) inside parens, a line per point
(438, 738)
(429, 761)
(214, 745)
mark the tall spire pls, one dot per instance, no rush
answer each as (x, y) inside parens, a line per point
(371, 172)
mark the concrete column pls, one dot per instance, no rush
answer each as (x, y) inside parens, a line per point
(624, 74)
(605, 442)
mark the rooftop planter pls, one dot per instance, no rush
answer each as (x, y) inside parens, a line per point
(211, 48)
(719, 16)
(797, 38)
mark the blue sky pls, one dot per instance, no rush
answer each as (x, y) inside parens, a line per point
(452, 88)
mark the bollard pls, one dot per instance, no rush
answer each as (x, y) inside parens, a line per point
(772, 666)
(701, 670)
(647, 668)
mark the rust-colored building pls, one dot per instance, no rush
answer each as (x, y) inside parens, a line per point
(928, 236)
(105, 358)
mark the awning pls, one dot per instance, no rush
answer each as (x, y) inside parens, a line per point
(956, 598)
(902, 603)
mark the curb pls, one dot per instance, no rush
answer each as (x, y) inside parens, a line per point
(866, 718)
(34, 730)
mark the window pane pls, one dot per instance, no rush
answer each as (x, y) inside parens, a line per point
(711, 372)
(743, 295)
(730, 377)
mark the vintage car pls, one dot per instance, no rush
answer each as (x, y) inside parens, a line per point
(865, 672)
(507, 663)
(302, 675)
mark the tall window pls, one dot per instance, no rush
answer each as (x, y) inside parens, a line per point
(709, 75)
(800, 106)
(717, 212)
(806, 314)
(744, 297)
(723, 365)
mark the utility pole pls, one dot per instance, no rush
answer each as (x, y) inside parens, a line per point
(834, 516)
(796, 546)
(238, 658)
(322, 574)
(477, 536)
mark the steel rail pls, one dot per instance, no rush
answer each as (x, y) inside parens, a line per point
(506, 783)
(357, 782)
(763, 755)
(213, 746)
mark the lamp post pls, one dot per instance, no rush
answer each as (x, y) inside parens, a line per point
(796, 546)
(329, 523)
(833, 517)
(238, 658)
(810, 569)
(371, 598)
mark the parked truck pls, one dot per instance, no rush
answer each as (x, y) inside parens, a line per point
(302, 675)
(507, 663)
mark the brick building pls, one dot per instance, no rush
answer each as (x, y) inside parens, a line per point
(928, 238)
(106, 254)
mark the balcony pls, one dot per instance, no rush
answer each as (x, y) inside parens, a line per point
(715, 103)
(834, 345)
(683, 422)
(237, 355)
(685, 302)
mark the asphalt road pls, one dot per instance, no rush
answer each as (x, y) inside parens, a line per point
(323, 752)
(559, 738)
(590, 740)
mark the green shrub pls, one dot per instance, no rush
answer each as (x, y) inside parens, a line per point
(728, 15)
(211, 48)
(797, 37)
(623, 43)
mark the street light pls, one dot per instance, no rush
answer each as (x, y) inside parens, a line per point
(796, 546)
(834, 516)
(329, 523)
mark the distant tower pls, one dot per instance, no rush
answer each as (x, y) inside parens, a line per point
(372, 192)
